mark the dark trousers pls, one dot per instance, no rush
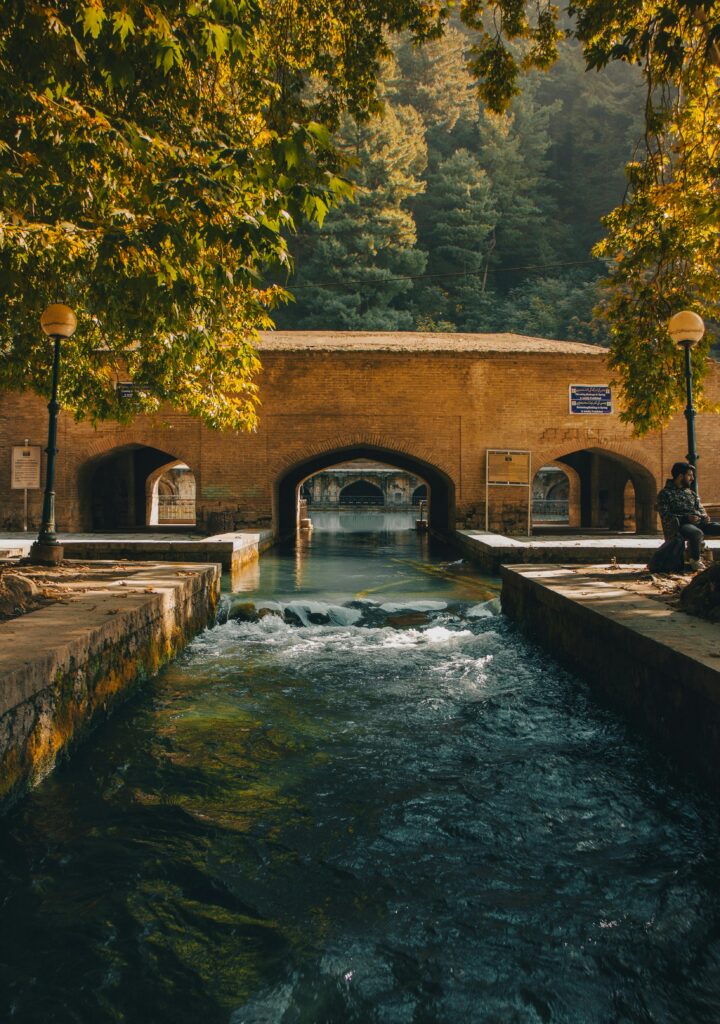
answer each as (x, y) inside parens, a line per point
(694, 534)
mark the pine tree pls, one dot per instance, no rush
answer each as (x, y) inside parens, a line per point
(456, 217)
(514, 150)
(593, 137)
(356, 271)
(553, 307)
(434, 79)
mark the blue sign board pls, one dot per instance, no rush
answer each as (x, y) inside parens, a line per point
(591, 399)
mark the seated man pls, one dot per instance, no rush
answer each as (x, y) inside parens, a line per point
(682, 514)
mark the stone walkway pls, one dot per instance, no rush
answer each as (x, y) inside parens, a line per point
(491, 550)
(231, 550)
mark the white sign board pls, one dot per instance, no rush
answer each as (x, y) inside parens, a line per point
(125, 389)
(26, 467)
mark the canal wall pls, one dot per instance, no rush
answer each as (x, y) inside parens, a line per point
(233, 551)
(656, 664)
(66, 666)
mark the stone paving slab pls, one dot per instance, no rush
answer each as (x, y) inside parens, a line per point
(34, 646)
(152, 540)
(606, 595)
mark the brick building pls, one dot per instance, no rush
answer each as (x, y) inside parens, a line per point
(431, 405)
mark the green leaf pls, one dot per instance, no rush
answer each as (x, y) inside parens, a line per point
(319, 132)
(92, 20)
(217, 40)
(292, 153)
(123, 25)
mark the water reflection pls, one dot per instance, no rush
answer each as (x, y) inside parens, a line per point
(363, 521)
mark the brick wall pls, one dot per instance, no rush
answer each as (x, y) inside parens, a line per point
(437, 409)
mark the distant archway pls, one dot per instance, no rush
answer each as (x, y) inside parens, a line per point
(170, 496)
(550, 497)
(419, 494)
(440, 485)
(361, 492)
(114, 486)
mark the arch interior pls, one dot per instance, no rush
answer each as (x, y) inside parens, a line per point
(296, 483)
(606, 502)
(551, 497)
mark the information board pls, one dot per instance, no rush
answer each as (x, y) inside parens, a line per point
(508, 467)
(590, 400)
(125, 389)
(25, 474)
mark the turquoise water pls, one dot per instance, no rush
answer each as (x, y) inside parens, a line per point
(396, 812)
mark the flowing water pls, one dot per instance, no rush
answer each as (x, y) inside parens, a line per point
(366, 799)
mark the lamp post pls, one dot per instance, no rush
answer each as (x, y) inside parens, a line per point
(57, 322)
(686, 329)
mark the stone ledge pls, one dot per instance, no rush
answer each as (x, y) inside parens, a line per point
(233, 550)
(65, 666)
(656, 664)
(489, 551)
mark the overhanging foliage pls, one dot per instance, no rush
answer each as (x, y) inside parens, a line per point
(155, 156)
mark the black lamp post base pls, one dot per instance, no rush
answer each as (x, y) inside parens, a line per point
(46, 554)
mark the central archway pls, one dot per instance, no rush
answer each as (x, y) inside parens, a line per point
(441, 486)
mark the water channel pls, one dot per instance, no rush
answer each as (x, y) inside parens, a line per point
(375, 803)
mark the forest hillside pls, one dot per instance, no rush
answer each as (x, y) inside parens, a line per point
(466, 221)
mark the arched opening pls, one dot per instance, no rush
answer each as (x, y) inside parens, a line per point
(170, 496)
(551, 497)
(120, 490)
(439, 488)
(616, 494)
(629, 507)
(361, 492)
(420, 494)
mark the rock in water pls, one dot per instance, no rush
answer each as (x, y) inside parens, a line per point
(318, 618)
(701, 596)
(263, 613)
(243, 611)
(410, 619)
